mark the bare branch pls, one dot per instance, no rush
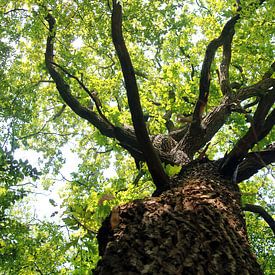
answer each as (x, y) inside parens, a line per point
(189, 60)
(268, 125)
(199, 137)
(15, 10)
(152, 159)
(46, 133)
(203, 130)
(240, 69)
(141, 74)
(60, 112)
(238, 4)
(200, 132)
(140, 174)
(262, 212)
(224, 67)
(215, 119)
(203, 7)
(249, 105)
(79, 223)
(37, 268)
(64, 89)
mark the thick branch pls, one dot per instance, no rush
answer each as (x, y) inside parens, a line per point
(64, 89)
(214, 120)
(195, 140)
(255, 161)
(153, 161)
(198, 134)
(255, 90)
(268, 125)
(203, 131)
(260, 127)
(262, 212)
(224, 39)
(224, 67)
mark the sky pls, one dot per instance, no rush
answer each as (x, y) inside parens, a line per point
(39, 201)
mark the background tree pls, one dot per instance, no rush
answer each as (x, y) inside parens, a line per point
(27, 246)
(200, 98)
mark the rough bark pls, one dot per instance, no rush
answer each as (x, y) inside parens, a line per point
(197, 227)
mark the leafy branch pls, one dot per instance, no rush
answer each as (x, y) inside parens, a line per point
(202, 129)
(64, 89)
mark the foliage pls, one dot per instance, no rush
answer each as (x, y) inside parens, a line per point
(23, 245)
(260, 191)
(166, 41)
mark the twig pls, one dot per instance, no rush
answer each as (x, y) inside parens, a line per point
(202, 6)
(83, 225)
(15, 10)
(140, 174)
(92, 95)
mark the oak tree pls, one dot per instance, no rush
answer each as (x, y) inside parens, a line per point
(177, 97)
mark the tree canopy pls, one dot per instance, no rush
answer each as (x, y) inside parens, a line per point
(112, 81)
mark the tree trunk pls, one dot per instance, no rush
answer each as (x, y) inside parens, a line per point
(197, 227)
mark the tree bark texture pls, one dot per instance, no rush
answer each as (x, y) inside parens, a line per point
(196, 227)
